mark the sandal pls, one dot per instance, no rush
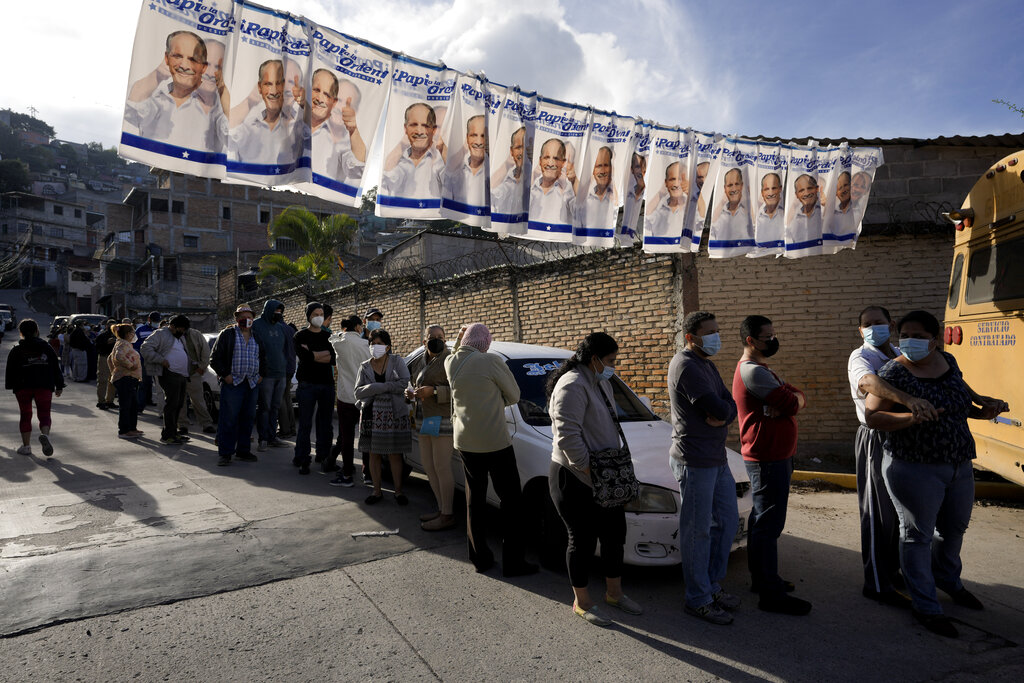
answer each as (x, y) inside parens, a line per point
(373, 499)
(401, 499)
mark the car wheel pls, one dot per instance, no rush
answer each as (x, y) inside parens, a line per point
(552, 538)
(211, 403)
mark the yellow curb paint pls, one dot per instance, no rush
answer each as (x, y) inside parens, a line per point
(989, 490)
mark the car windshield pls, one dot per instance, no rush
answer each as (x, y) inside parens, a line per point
(532, 375)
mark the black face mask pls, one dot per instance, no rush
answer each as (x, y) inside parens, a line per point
(771, 347)
(435, 345)
(278, 317)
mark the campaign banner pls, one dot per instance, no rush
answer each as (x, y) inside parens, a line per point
(707, 147)
(732, 221)
(803, 202)
(639, 150)
(511, 127)
(268, 85)
(174, 108)
(414, 155)
(668, 204)
(602, 178)
(768, 201)
(561, 137)
(836, 207)
(465, 186)
(864, 161)
(349, 85)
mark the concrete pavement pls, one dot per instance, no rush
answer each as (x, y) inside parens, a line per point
(136, 561)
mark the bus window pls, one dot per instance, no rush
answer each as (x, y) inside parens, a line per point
(954, 282)
(996, 273)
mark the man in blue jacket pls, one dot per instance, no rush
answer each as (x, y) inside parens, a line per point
(272, 335)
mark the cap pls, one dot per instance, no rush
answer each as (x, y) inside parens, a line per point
(312, 306)
(373, 311)
(155, 315)
(243, 308)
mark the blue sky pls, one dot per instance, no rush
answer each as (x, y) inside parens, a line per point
(784, 69)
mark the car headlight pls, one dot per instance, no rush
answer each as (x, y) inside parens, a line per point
(652, 499)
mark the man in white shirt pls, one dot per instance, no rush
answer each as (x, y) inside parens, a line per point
(167, 359)
(552, 195)
(507, 193)
(173, 110)
(879, 526)
(805, 225)
(417, 172)
(635, 192)
(733, 219)
(770, 229)
(842, 221)
(351, 351)
(337, 152)
(667, 218)
(467, 185)
(271, 135)
(597, 211)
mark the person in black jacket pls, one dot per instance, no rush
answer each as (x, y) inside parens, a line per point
(239, 362)
(33, 374)
(105, 341)
(80, 344)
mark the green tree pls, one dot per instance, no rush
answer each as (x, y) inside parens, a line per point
(321, 241)
(31, 123)
(369, 200)
(13, 176)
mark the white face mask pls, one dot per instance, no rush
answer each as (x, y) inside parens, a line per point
(316, 320)
(379, 350)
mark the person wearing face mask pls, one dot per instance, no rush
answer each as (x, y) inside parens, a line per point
(879, 528)
(581, 403)
(430, 390)
(351, 350)
(34, 375)
(315, 393)
(701, 409)
(927, 466)
(125, 370)
(239, 362)
(167, 359)
(80, 345)
(384, 429)
(767, 408)
(374, 320)
(271, 334)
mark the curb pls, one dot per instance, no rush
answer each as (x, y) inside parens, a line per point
(989, 490)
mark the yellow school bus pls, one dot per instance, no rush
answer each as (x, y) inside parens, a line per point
(984, 327)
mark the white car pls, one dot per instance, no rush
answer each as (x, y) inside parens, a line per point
(211, 383)
(652, 520)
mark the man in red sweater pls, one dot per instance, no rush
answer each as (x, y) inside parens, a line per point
(767, 407)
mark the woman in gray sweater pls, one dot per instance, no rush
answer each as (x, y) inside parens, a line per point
(583, 421)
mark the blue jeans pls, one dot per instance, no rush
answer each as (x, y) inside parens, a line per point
(268, 407)
(708, 521)
(933, 502)
(315, 399)
(769, 483)
(234, 424)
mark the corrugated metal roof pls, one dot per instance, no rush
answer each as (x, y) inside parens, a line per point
(1011, 140)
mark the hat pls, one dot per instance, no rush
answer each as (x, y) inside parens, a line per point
(243, 308)
(373, 311)
(155, 315)
(478, 336)
(312, 306)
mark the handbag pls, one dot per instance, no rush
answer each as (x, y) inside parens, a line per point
(611, 470)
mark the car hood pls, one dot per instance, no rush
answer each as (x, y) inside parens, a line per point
(649, 445)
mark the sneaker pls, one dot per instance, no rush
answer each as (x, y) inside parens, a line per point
(137, 432)
(182, 431)
(725, 600)
(439, 523)
(246, 457)
(710, 613)
(101, 406)
(182, 438)
(224, 461)
(781, 603)
(962, 597)
(209, 429)
(591, 616)
(44, 441)
(170, 441)
(128, 435)
(937, 623)
(342, 480)
(261, 445)
(277, 443)
(626, 604)
(304, 468)
(25, 450)
(329, 468)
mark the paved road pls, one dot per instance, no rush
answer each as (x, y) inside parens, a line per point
(125, 561)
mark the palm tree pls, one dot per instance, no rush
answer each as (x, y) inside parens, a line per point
(321, 240)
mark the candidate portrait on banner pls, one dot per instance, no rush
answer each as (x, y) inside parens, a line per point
(414, 170)
(336, 147)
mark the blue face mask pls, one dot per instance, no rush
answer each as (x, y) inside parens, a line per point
(372, 325)
(607, 373)
(711, 344)
(915, 349)
(876, 335)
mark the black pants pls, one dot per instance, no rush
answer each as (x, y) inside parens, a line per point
(501, 466)
(127, 398)
(586, 522)
(348, 420)
(174, 386)
(769, 482)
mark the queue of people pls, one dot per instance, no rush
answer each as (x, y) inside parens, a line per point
(913, 447)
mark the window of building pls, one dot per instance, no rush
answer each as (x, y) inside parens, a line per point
(56, 231)
(170, 269)
(79, 276)
(22, 227)
(125, 236)
(78, 213)
(208, 271)
(140, 237)
(225, 212)
(192, 241)
(158, 204)
(285, 244)
(58, 210)
(264, 215)
(4, 228)
(177, 206)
